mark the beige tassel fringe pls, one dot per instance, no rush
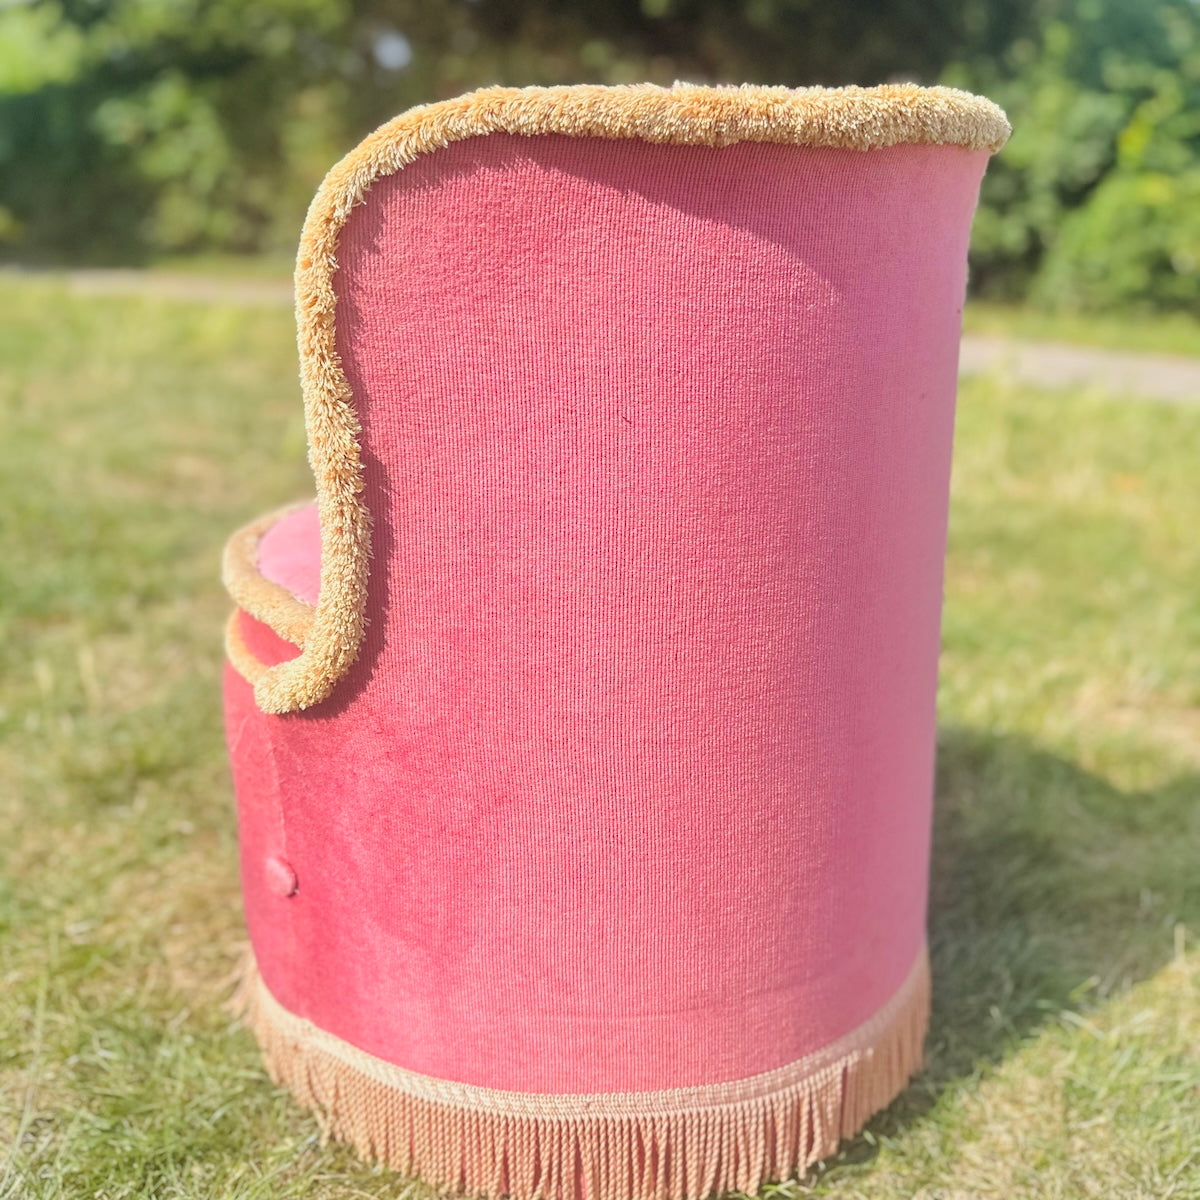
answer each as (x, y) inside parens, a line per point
(680, 1144)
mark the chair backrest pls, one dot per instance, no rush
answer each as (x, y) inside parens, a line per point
(647, 427)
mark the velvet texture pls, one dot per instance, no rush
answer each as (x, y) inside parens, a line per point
(629, 787)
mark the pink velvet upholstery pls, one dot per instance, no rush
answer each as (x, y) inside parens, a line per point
(630, 786)
(289, 553)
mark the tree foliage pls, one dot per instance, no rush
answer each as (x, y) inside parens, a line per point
(1095, 202)
(134, 128)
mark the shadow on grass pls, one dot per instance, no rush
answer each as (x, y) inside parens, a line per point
(1050, 889)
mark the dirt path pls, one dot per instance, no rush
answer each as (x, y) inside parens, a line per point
(182, 286)
(1169, 379)
(1166, 378)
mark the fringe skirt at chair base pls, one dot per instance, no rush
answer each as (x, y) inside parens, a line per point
(677, 1144)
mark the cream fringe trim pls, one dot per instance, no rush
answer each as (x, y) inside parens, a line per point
(850, 118)
(241, 658)
(679, 1144)
(289, 616)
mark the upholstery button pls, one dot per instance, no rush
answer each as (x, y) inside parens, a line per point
(281, 878)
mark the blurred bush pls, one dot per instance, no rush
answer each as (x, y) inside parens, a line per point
(132, 129)
(1095, 202)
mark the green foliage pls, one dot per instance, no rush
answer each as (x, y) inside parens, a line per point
(152, 126)
(1095, 202)
(132, 129)
(1136, 243)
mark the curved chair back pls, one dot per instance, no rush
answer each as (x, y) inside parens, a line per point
(608, 769)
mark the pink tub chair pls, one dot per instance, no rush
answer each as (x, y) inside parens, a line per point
(583, 728)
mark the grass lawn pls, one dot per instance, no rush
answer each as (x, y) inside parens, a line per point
(1064, 1056)
(1157, 333)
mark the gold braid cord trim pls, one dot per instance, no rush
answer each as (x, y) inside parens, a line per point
(678, 1144)
(850, 118)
